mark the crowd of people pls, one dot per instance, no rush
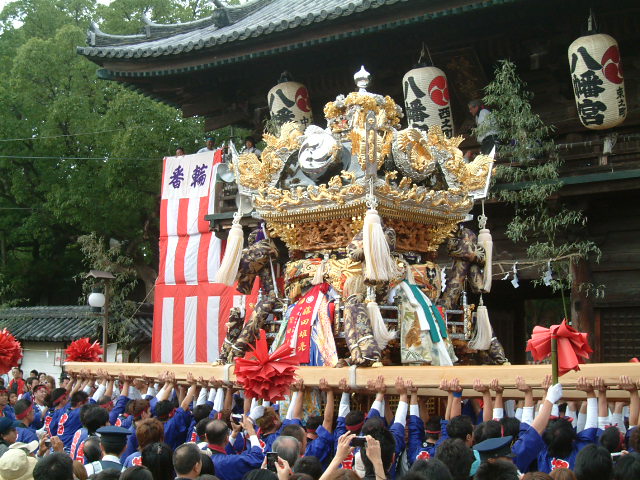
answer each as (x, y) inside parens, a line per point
(100, 427)
(210, 146)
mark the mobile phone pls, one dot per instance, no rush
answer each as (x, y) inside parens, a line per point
(236, 419)
(272, 458)
(47, 443)
(358, 441)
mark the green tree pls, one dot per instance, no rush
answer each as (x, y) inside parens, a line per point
(530, 181)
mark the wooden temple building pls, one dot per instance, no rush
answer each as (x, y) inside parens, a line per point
(222, 67)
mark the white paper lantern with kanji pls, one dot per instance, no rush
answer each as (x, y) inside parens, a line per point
(289, 102)
(426, 99)
(598, 83)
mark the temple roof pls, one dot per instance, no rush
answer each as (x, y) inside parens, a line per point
(258, 19)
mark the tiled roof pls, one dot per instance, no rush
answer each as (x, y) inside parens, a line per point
(63, 323)
(258, 18)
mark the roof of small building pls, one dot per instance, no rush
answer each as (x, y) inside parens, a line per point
(64, 323)
(256, 19)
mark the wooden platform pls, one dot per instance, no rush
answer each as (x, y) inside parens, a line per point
(427, 378)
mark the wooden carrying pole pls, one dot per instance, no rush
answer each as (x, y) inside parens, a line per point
(426, 378)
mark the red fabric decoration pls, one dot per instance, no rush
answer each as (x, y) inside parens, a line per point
(10, 351)
(266, 376)
(573, 348)
(83, 350)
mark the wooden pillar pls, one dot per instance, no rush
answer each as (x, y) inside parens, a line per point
(582, 308)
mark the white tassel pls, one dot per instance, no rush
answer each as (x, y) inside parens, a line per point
(318, 278)
(381, 334)
(380, 265)
(485, 241)
(482, 337)
(410, 277)
(228, 270)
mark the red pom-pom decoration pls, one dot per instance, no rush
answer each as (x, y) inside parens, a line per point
(10, 351)
(573, 347)
(266, 376)
(83, 350)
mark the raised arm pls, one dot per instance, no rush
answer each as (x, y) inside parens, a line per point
(327, 422)
(487, 410)
(603, 406)
(191, 392)
(498, 403)
(554, 394)
(634, 399)
(527, 409)
(456, 392)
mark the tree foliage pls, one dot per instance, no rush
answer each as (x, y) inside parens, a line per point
(528, 178)
(78, 156)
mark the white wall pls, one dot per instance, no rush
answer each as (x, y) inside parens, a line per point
(41, 357)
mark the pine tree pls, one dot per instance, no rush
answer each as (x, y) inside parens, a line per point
(530, 179)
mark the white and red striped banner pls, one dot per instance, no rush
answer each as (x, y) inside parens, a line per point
(190, 311)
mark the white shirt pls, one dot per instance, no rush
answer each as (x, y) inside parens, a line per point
(484, 116)
(96, 467)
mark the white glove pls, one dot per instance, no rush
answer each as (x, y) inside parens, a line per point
(554, 394)
(256, 412)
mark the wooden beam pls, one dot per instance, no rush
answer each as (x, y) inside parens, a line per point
(427, 378)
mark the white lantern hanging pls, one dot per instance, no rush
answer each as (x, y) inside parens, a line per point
(426, 99)
(598, 83)
(289, 102)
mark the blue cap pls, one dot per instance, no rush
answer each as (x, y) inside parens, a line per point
(113, 431)
(6, 424)
(495, 448)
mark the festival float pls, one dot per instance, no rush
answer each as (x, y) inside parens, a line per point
(341, 227)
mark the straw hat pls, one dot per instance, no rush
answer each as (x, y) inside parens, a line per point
(15, 464)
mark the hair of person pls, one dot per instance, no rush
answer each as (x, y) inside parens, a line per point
(314, 422)
(498, 470)
(51, 381)
(138, 407)
(113, 444)
(294, 430)
(371, 425)
(250, 139)
(104, 400)
(342, 474)
(562, 474)
(157, 458)
(433, 425)
(150, 430)
(34, 371)
(137, 472)
(110, 474)
(477, 102)
(309, 465)
(217, 432)
(207, 465)
(354, 417)
(79, 397)
(593, 462)
(92, 451)
(163, 409)
(432, 469)
(300, 476)
(536, 476)
(93, 417)
(634, 439)
(21, 406)
(206, 476)
(268, 420)
(260, 474)
(55, 395)
(185, 458)
(611, 439)
(55, 466)
(201, 426)
(201, 411)
(485, 430)
(79, 471)
(457, 456)
(460, 427)
(510, 426)
(287, 448)
(387, 450)
(30, 381)
(627, 467)
(559, 436)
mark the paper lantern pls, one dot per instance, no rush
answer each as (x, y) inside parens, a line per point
(426, 99)
(289, 102)
(598, 83)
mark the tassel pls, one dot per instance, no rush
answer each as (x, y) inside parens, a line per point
(485, 241)
(410, 278)
(380, 265)
(482, 337)
(381, 334)
(228, 270)
(318, 278)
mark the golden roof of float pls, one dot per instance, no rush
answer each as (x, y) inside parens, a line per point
(311, 186)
